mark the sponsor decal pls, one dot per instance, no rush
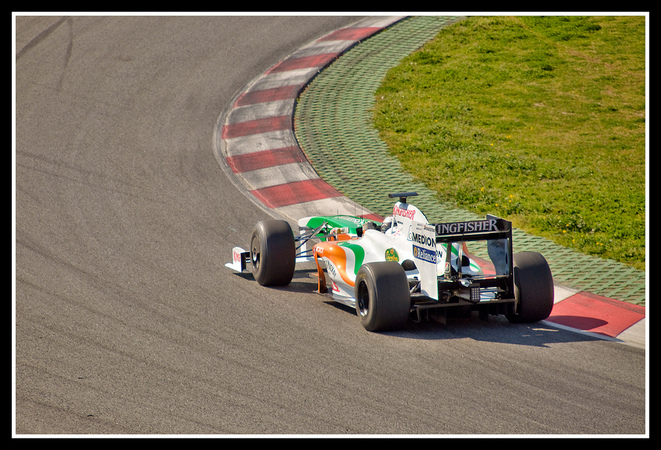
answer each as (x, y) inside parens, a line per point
(423, 242)
(391, 255)
(330, 268)
(448, 269)
(422, 239)
(408, 213)
(424, 254)
(236, 256)
(357, 220)
(474, 226)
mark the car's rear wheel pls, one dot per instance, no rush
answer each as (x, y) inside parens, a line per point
(383, 299)
(533, 288)
(273, 253)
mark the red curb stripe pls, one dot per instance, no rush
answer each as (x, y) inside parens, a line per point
(373, 216)
(295, 192)
(256, 126)
(596, 314)
(351, 34)
(265, 158)
(268, 95)
(304, 62)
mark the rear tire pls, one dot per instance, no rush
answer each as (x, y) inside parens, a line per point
(533, 288)
(273, 253)
(383, 299)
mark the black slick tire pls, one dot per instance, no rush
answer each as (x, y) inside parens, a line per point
(383, 299)
(533, 288)
(273, 253)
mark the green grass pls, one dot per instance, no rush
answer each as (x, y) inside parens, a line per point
(537, 119)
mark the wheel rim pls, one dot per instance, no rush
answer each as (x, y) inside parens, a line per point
(363, 299)
(254, 254)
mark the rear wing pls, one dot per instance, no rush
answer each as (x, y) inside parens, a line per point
(475, 230)
(496, 231)
(427, 238)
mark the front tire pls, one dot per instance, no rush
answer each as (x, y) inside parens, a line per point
(273, 253)
(383, 299)
(533, 288)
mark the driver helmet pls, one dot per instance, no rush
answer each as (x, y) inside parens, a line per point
(386, 224)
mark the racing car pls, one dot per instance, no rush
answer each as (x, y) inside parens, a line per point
(404, 268)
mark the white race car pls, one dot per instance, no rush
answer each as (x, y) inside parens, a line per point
(404, 268)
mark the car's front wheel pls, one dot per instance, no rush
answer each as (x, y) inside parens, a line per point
(273, 253)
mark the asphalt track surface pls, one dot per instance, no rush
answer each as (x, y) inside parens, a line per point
(127, 322)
